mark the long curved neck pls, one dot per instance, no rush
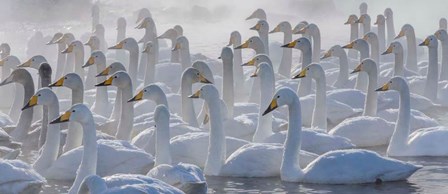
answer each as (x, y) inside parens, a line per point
(260, 48)
(89, 156)
(133, 65)
(101, 97)
(343, 70)
(160, 98)
(26, 116)
(217, 143)
(127, 114)
(411, 61)
(188, 113)
(238, 73)
(444, 70)
(370, 106)
(319, 119)
(163, 152)
(264, 36)
(227, 85)
(290, 169)
(185, 58)
(305, 84)
(150, 68)
(78, 94)
(364, 52)
(382, 36)
(316, 45)
(286, 62)
(174, 54)
(399, 64)
(354, 31)
(79, 60)
(264, 126)
(390, 29)
(399, 140)
(61, 60)
(375, 50)
(366, 26)
(432, 76)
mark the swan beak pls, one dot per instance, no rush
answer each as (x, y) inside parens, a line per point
(32, 102)
(206, 119)
(249, 63)
(137, 97)
(290, 45)
(204, 80)
(385, 87)
(26, 64)
(244, 45)
(176, 47)
(118, 46)
(108, 82)
(8, 80)
(349, 46)
(60, 40)
(256, 27)
(424, 43)
(255, 74)
(357, 69)
(58, 83)
(2, 62)
(327, 55)
(105, 72)
(63, 118)
(69, 49)
(197, 94)
(89, 62)
(388, 51)
(89, 42)
(141, 25)
(230, 41)
(147, 49)
(302, 74)
(401, 34)
(301, 31)
(271, 107)
(276, 29)
(365, 37)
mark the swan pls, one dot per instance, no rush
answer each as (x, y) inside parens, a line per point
(149, 48)
(389, 14)
(285, 65)
(257, 14)
(94, 44)
(183, 46)
(171, 34)
(100, 33)
(335, 167)
(95, 15)
(372, 39)
(443, 23)
(7, 64)
(443, 37)
(381, 26)
(19, 177)
(365, 26)
(352, 21)
(143, 13)
(130, 45)
(150, 35)
(262, 27)
(411, 60)
(182, 175)
(242, 162)
(96, 155)
(121, 34)
(363, 47)
(343, 80)
(423, 142)
(77, 48)
(399, 69)
(313, 31)
(125, 183)
(61, 57)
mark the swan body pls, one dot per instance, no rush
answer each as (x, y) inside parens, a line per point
(19, 177)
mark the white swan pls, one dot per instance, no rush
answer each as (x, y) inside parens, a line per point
(335, 167)
(120, 55)
(171, 34)
(150, 35)
(19, 177)
(61, 57)
(343, 80)
(130, 45)
(304, 45)
(240, 92)
(100, 33)
(365, 22)
(381, 28)
(363, 47)
(443, 37)
(257, 14)
(352, 21)
(411, 61)
(285, 65)
(312, 30)
(262, 27)
(389, 14)
(77, 48)
(8, 64)
(398, 68)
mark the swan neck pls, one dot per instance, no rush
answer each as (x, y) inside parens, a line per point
(432, 76)
(286, 62)
(185, 58)
(398, 142)
(370, 106)
(150, 69)
(399, 64)
(264, 126)
(217, 143)
(411, 60)
(133, 64)
(343, 70)
(188, 113)
(163, 153)
(227, 86)
(319, 119)
(444, 70)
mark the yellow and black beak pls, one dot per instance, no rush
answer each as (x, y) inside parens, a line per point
(89, 62)
(244, 45)
(58, 83)
(290, 45)
(401, 34)
(389, 50)
(32, 102)
(204, 80)
(69, 49)
(256, 27)
(63, 118)
(137, 97)
(425, 42)
(327, 54)
(249, 63)
(26, 64)
(302, 74)
(108, 82)
(176, 47)
(349, 46)
(141, 25)
(197, 94)
(118, 46)
(276, 29)
(385, 87)
(357, 69)
(271, 107)
(105, 72)
(2, 62)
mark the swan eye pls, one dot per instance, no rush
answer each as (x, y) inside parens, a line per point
(390, 82)
(65, 77)
(278, 96)
(32, 60)
(250, 40)
(144, 90)
(125, 42)
(96, 56)
(116, 77)
(307, 68)
(73, 111)
(38, 95)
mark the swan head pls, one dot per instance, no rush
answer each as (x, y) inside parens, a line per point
(301, 44)
(95, 58)
(356, 44)
(394, 47)
(255, 61)
(370, 37)
(282, 97)
(17, 76)
(235, 38)
(335, 50)
(44, 96)
(121, 23)
(147, 48)
(367, 65)
(204, 69)
(430, 41)
(263, 70)
(226, 54)
(388, 13)
(93, 42)
(313, 70)
(127, 44)
(111, 69)
(142, 13)
(151, 92)
(77, 113)
(441, 34)
(119, 79)
(169, 34)
(145, 23)
(34, 62)
(179, 29)
(407, 28)
(364, 19)
(363, 7)
(443, 23)
(66, 38)
(257, 14)
(261, 26)
(195, 76)
(55, 38)
(71, 80)
(253, 42)
(181, 43)
(10, 61)
(299, 26)
(74, 46)
(352, 19)
(380, 20)
(206, 92)
(281, 27)
(396, 83)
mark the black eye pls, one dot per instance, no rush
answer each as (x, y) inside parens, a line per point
(197, 73)
(32, 60)
(308, 68)
(278, 96)
(250, 41)
(65, 77)
(115, 76)
(390, 82)
(298, 41)
(144, 91)
(96, 56)
(38, 95)
(73, 111)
